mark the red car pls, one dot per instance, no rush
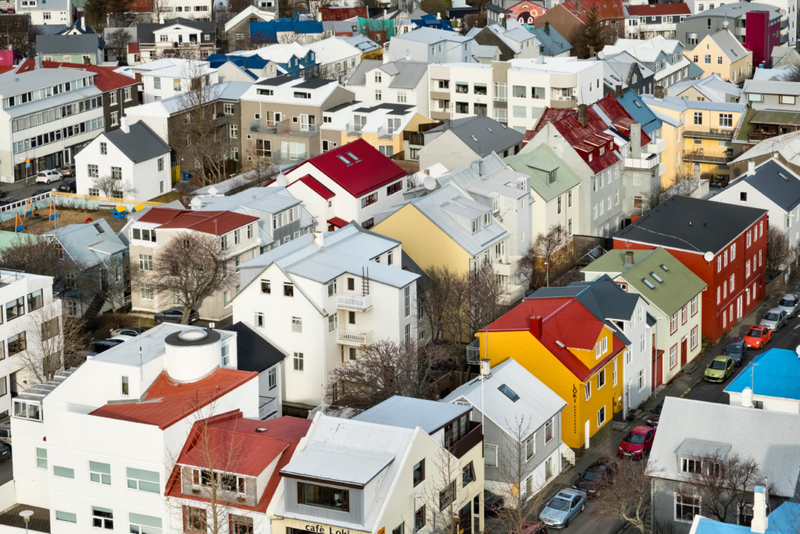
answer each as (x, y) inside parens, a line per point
(637, 443)
(757, 336)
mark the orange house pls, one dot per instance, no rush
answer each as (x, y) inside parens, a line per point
(576, 355)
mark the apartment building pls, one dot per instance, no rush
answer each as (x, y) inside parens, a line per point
(168, 77)
(282, 117)
(787, 8)
(649, 20)
(339, 292)
(397, 82)
(665, 57)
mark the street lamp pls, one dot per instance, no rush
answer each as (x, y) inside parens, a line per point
(547, 272)
(26, 517)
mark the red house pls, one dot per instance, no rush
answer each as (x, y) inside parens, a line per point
(343, 12)
(723, 244)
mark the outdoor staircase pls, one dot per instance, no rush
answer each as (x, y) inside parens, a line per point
(94, 308)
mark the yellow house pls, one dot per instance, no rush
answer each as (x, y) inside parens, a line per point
(721, 53)
(565, 346)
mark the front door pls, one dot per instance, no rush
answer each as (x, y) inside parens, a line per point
(465, 519)
(684, 351)
(659, 369)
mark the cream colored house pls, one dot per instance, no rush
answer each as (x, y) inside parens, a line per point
(721, 53)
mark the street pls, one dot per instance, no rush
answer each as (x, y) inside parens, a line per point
(20, 191)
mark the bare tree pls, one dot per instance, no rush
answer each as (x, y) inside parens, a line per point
(115, 275)
(626, 496)
(17, 33)
(112, 187)
(117, 41)
(44, 256)
(792, 74)
(189, 268)
(53, 342)
(485, 298)
(334, 71)
(780, 252)
(442, 498)
(543, 257)
(387, 368)
(96, 13)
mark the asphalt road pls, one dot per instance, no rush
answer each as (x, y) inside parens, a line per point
(20, 190)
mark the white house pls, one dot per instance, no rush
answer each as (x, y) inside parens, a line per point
(396, 82)
(168, 77)
(322, 297)
(336, 58)
(43, 13)
(134, 155)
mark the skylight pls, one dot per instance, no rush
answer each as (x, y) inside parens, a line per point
(657, 278)
(99, 228)
(666, 269)
(783, 176)
(353, 156)
(637, 104)
(508, 392)
(344, 159)
(648, 283)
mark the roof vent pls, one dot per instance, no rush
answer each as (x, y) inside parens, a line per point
(474, 138)
(490, 130)
(560, 344)
(261, 430)
(193, 334)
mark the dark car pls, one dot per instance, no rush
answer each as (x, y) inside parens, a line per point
(6, 201)
(5, 452)
(493, 503)
(68, 186)
(598, 474)
(102, 345)
(132, 331)
(3, 193)
(174, 315)
(40, 192)
(736, 349)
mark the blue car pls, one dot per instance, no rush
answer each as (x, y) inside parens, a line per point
(562, 508)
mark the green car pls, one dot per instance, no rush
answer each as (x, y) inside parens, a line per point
(719, 369)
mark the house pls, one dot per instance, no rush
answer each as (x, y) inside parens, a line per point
(337, 58)
(649, 20)
(235, 233)
(511, 39)
(429, 45)
(322, 321)
(282, 117)
(288, 59)
(402, 82)
(784, 56)
(119, 443)
(134, 155)
(568, 18)
(298, 29)
(711, 88)
(756, 25)
(54, 13)
(768, 382)
(192, 37)
(705, 237)
(781, 148)
(468, 139)
(86, 48)
(232, 68)
(673, 296)
(551, 43)
(350, 183)
(237, 30)
(622, 72)
(168, 77)
(693, 433)
(518, 413)
(772, 95)
(724, 56)
(382, 464)
(665, 57)
(576, 355)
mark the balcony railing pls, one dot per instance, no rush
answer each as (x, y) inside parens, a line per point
(385, 132)
(354, 302)
(474, 352)
(358, 339)
(267, 407)
(698, 156)
(713, 133)
(287, 157)
(283, 128)
(647, 161)
(473, 438)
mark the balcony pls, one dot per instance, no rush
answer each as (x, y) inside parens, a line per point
(564, 103)
(354, 302)
(284, 128)
(357, 339)
(657, 147)
(646, 162)
(267, 407)
(698, 156)
(385, 132)
(472, 439)
(474, 352)
(712, 133)
(287, 157)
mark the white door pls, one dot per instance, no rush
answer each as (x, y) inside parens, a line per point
(586, 432)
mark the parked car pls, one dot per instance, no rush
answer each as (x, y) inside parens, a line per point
(562, 508)
(40, 192)
(7, 201)
(174, 315)
(655, 415)
(789, 303)
(5, 433)
(132, 331)
(736, 349)
(5, 452)
(595, 476)
(719, 369)
(493, 503)
(45, 177)
(637, 443)
(757, 336)
(67, 171)
(3, 193)
(774, 319)
(68, 186)
(102, 345)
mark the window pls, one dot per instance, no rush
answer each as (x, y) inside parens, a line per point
(686, 507)
(297, 324)
(726, 120)
(693, 305)
(394, 188)
(156, 83)
(641, 379)
(113, 96)
(298, 361)
(587, 390)
(673, 323)
(419, 472)
(673, 356)
(139, 479)
(259, 320)
(266, 287)
(145, 262)
(601, 378)
(683, 314)
(490, 454)
(372, 198)
(530, 447)
(332, 288)
(66, 516)
(92, 170)
(194, 519)
(17, 344)
(35, 300)
(272, 377)
(15, 308)
(288, 289)
(549, 432)
(447, 495)
(419, 518)
(100, 473)
(694, 336)
(323, 496)
(239, 524)
(351, 317)
(116, 173)
(733, 251)
(146, 291)
(27, 410)
(63, 472)
(102, 518)
(41, 458)
(601, 416)
(225, 355)
(788, 99)
(176, 85)
(698, 118)
(407, 300)
(234, 131)
(144, 524)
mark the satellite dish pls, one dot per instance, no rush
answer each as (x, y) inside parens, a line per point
(281, 180)
(797, 350)
(708, 256)
(429, 182)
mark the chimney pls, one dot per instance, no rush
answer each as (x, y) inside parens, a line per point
(760, 523)
(578, 5)
(618, 91)
(161, 19)
(505, 23)
(83, 23)
(123, 125)
(582, 116)
(628, 258)
(659, 94)
(535, 325)
(751, 168)
(486, 368)
(319, 239)
(591, 52)
(37, 62)
(636, 140)
(747, 398)
(547, 28)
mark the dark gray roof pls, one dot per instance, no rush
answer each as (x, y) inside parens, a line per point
(341, 106)
(145, 31)
(68, 44)
(278, 80)
(691, 224)
(254, 353)
(777, 183)
(140, 144)
(494, 7)
(602, 297)
(394, 109)
(313, 83)
(482, 134)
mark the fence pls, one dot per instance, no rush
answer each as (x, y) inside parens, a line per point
(71, 201)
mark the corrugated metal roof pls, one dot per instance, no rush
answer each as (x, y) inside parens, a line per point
(774, 373)
(408, 412)
(338, 463)
(76, 239)
(139, 144)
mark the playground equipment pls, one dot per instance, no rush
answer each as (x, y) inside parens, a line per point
(137, 208)
(18, 223)
(119, 212)
(53, 210)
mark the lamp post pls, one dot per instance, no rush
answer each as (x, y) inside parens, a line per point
(547, 272)
(26, 517)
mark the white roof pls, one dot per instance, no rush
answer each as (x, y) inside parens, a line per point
(319, 90)
(552, 65)
(643, 50)
(246, 13)
(174, 68)
(787, 145)
(333, 50)
(712, 87)
(279, 53)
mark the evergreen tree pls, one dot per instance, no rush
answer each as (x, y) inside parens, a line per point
(592, 36)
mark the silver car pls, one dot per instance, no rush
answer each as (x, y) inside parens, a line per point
(562, 508)
(789, 303)
(774, 319)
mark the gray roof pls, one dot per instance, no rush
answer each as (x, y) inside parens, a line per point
(552, 44)
(701, 448)
(140, 144)
(13, 83)
(771, 87)
(678, 104)
(145, 31)
(407, 412)
(264, 199)
(81, 242)
(359, 75)
(537, 403)
(729, 45)
(771, 439)
(68, 44)
(338, 463)
(602, 297)
(482, 134)
(775, 182)
(405, 74)
(486, 176)
(231, 90)
(737, 10)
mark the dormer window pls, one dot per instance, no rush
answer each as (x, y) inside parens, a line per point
(475, 225)
(551, 176)
(265, 92)
(487, 219)
(303, 95)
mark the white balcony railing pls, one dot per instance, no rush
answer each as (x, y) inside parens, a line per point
(647, 161)
(354, 302)
(359, 339)
(267, 407)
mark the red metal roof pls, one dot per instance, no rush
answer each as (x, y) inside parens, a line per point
(172, 401)
(619, 116)
(566, 323)
(371, 171)
(659, 9)
(338, 222)
(208, 222)
(315, 186)
(106, 79)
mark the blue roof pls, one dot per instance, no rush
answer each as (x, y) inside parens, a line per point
(781, 521)
(248, 62)
(273, 27)
(430, 21)
(774, 373)
(552, 44)
(639, 110)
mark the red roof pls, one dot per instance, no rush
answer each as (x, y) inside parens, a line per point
(619, 116)
(106, 79)
(659, 9)
(173, 401)
(368, 171)
(237, 446)
(338, 222)
(208, 222)
(315, 186)
(566, 324)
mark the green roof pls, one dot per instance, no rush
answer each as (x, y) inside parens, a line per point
(678, 284)
(538, 163)
(9, 239)
(743, 133)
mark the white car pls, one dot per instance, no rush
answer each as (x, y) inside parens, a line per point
(45, 177)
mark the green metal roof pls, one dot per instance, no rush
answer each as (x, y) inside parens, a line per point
(9, 239)
(743, 132)
(538, 164)
(678, 284)
(776, 117)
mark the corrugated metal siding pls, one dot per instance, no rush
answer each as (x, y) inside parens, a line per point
(356, 514)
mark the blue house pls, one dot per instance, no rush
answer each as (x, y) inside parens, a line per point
(269, 32)
(642, 114)
(430, 21)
